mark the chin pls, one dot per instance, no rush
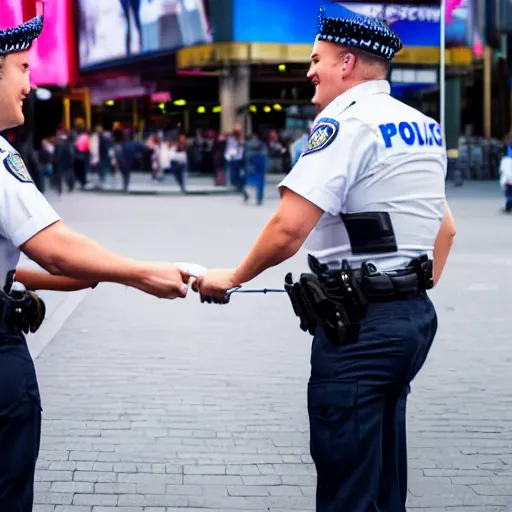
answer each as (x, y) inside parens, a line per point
(15, 120)
(11, 123)
(318, 104)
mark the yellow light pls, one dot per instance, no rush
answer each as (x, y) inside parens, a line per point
(217, 109)
(253, 108)
(161, 106)
(267, 109)
(110, 103)
(201, 110)
(278, 107)
(282, 67)
(180, 103)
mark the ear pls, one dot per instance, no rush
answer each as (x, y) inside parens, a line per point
(348, 63)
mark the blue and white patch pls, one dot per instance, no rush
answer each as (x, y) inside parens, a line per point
(15, 165)
(324, 133)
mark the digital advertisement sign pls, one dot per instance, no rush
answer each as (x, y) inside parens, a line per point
(113, 30)
(50, 55)
(12, 13)
(295, 21)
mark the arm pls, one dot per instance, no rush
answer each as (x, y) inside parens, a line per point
(443, 243)
(282, 237)
(37, 280)
(64, 253)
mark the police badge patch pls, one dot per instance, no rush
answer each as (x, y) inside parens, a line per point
(15, 165)
(323, 134)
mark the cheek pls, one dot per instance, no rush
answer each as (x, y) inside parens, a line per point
(4, 91)
(327, 75)
(335, 78)
(7, 91)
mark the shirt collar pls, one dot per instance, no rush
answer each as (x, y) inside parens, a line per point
(344, 100)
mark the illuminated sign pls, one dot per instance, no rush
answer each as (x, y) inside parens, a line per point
(113, 30)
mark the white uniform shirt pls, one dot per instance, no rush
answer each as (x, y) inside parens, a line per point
(23, 209)
(370, 152)
(505, 171)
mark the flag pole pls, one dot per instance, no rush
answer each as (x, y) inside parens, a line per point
(442, 71)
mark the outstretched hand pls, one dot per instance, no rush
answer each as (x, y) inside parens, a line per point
(163, 280)
(214, 284)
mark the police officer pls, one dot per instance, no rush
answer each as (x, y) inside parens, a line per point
(369, 196)
(29, 224)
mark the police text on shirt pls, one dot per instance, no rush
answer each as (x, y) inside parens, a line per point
(425, 134)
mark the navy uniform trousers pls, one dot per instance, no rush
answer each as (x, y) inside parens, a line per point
(20, 425)
(356, 405)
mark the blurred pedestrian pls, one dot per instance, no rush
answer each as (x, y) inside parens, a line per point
(178, 162)
(63, 165)
(124, 154)
(154, 144)
(506, 181)
(235, 155)
(81, 156)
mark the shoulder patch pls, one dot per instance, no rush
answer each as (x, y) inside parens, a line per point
(323, 134)
(15, 165)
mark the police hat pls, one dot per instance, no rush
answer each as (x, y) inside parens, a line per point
(20, 38)
(362, 32)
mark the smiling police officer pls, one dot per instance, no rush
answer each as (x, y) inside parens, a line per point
(28, 223)
(369, 196)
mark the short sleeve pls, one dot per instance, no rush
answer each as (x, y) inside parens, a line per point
(24, 211)
(338, 150)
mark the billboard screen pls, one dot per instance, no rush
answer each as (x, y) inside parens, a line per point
(50, 57)
(113, 30)
(12, 13)
(50, 54)
(294, 21)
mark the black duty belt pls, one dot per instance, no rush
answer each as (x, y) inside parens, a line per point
(382, 286)
(337, 300)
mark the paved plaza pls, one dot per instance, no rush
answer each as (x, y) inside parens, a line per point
(158, 406)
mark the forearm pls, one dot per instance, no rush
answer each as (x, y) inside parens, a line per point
(274, 245)
(443, 243)
(442, 248)
(86, 259)
(64, 253)
(37, 280)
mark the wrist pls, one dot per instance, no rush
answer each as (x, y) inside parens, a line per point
(136, 274)
(237, 278)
